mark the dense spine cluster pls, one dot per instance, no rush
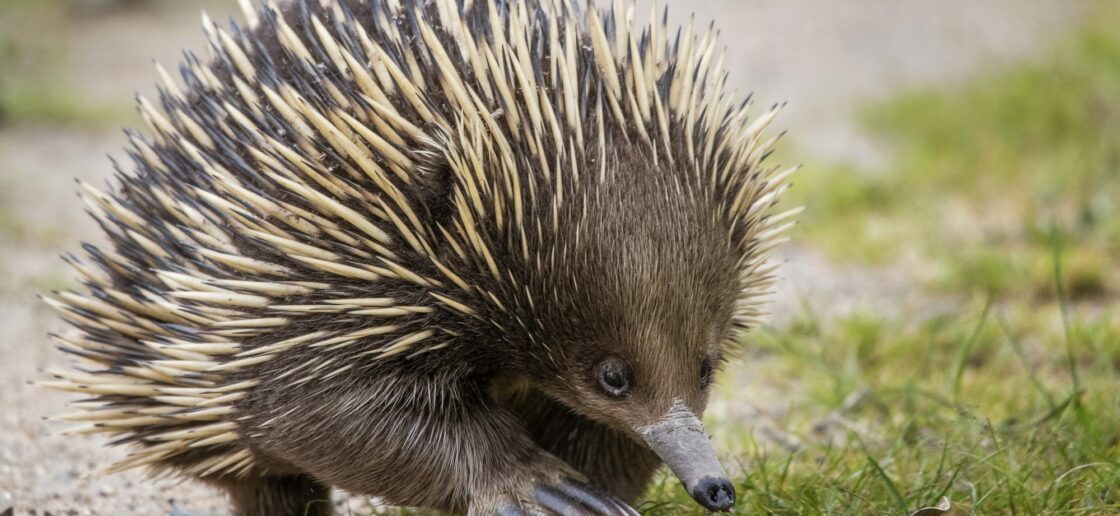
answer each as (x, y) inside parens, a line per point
(428, 153)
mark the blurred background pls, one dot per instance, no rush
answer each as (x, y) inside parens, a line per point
(946, 325)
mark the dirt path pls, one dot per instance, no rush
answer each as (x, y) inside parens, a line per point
(823, 57)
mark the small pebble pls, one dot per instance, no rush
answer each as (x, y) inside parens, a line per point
(178, 511)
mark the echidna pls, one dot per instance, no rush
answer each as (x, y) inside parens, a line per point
(475, 256)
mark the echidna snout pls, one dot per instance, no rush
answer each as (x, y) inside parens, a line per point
(715, 494)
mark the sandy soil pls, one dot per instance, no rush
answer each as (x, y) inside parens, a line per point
(822, 57)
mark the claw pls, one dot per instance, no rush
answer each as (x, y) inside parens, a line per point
(626, 509)
(600, 503)
(556, 501)
(510, 509)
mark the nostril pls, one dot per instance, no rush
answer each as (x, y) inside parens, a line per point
(715, 494)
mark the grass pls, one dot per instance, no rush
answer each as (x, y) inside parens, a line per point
(33, 86)
(36, 91)
(999, 409)
(989, 174)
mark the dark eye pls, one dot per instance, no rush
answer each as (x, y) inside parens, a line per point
(705, 374)
(614, 377)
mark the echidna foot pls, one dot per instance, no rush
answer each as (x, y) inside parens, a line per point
(567, 497)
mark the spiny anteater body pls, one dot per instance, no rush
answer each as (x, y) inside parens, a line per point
(453, 256)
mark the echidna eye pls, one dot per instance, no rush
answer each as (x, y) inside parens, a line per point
(705, 374)
(614, 377)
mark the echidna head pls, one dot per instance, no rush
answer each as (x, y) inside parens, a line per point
(638, 311)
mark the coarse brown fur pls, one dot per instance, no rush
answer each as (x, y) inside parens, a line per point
(388, 248)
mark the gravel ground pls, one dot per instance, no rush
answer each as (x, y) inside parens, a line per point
(822, 57)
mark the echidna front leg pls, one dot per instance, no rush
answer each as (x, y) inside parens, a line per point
(544, 485)
(414, 438)
(610, 459)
